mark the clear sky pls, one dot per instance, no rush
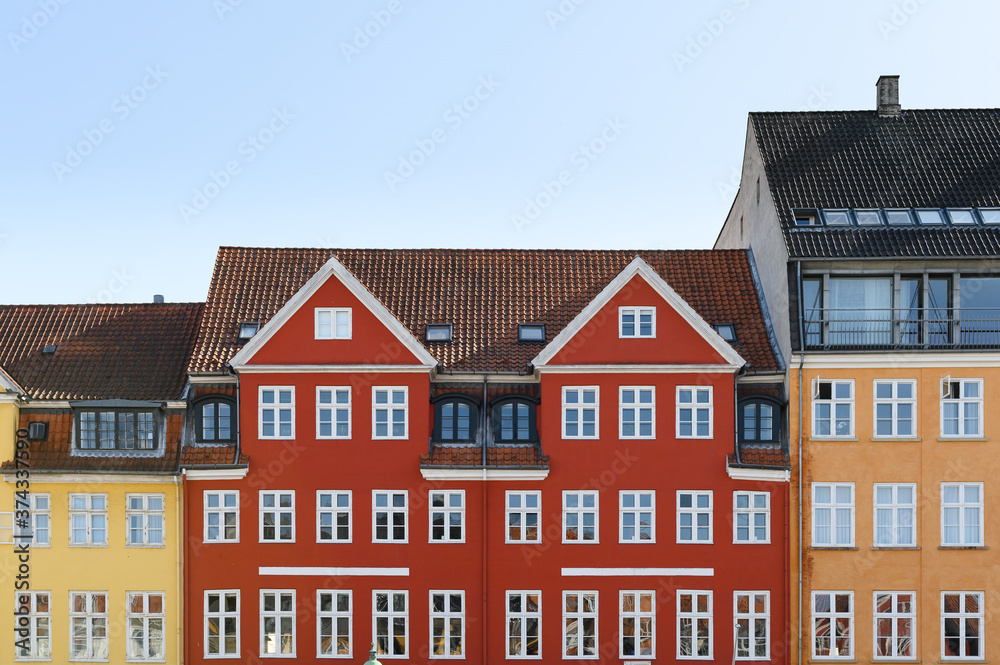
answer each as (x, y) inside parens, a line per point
(137, 137)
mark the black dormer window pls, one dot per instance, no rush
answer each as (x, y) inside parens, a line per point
(514, 421)
(759, 421)
(215, 420)
(456, 420)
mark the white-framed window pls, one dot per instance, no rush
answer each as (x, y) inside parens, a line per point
(751, 517)
(389, 516)
(961, 407)
(895, 515)
(752, 611)
(145, 616)
(962, 514)
(37, 532)
(222, 624)
(145, 520)
(637, 621)
(580, 513)
(88, 520)
(637, 516)
(88, 625)
(391, 621)
(524, 624)
(694, 412)
(333, 412)
(637, 412)
(37, 644)
(447, 514)
(523, 517)
(276, 412)
(694, 625)
(694, 516)
(333, 516)
(833, 408)
(222, 516)
(833, 514)
(895, 619)
(833, 624)
(277, 623)
(895, 408)
(580, 412)
(389, 413)
(636, 322)
(277, 516)
(333, 322)
(962, 623)
(447, 615)
(579, 624)
(334, 615)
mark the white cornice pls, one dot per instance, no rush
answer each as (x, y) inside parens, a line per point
(331, 369)
(65, 404)
(210, 378)
(916, 360)
(761, 475)
(638, 572)
(216, 474)
(638, 369)
(476, 473)
(761, 378)
(323, 571)
(53, 478)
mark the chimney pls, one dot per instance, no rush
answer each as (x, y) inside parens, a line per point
(157, 298)
(888, 96)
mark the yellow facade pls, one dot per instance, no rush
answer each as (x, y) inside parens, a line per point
(925, 459)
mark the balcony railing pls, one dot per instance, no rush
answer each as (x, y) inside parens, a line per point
(911, 328)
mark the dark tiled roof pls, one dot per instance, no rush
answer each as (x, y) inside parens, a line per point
(857, 159)
(502, 456)
(104, 351)
(483, 293)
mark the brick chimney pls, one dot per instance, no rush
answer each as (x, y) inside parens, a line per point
(888, 96)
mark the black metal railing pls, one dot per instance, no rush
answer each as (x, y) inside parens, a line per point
(911, 328)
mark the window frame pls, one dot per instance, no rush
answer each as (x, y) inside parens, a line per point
(391, 614)
(221, 510)
(751, 617)
(637, 615)
(89, 512)
(145, 617)
(90, 617)
(452, 398)
(961, 401)
(447, 614)
(155, 416)
(390, 407)
(277, 406)
(694, 615)
(496, 417)
(963, 617)
(222, 615)
(833, 402)
(751, 511)
(636, 511)
(334, 408)
(637, 311)
(35, 618)
(894, 403)
(391, 510)
(895, 507)
(894, 616)
(832, 616)
(334, 614)
(580, 511)
(524, 510)
(580, 615)
(758, 401)
(694, 406)
(278, 510)
(636, 407)
(333, 311)
(145, 513)
(34, 513)
(447, 510)
(833, 506)
(334, 510)
(580, 408)
(199, 418)
(523, 615)
(277, 614)
(962, 506)
(694, 511)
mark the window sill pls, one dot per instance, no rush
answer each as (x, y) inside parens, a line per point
(964, 547)
(906, 548)
(835, 548)
(963, 660)
(835, 438)
(963, 438)
(833, 660)
(902, 439)
(895, 660)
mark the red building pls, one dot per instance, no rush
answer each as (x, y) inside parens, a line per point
(486, 455)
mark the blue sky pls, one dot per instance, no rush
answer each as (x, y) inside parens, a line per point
(138, 137)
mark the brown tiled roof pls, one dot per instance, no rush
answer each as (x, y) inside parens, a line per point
(516, 456)
(775, 458)
(104, 351)
(483, 293)
(194, 456)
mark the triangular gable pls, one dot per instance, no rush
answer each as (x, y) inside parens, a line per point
(8, 383)
(334, 269)
(642, 270)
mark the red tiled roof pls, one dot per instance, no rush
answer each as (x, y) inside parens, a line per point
(194, 456)
(484, 294)
(104, 351)
(763, 457)
(517, 456)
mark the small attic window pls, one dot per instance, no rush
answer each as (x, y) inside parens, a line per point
(531, 332)
(49, 349)
(248, 329)
(807, 217)
(837, 217)
(437, 332)
(726, 330)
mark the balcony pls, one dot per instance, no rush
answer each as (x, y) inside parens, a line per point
(934, 329)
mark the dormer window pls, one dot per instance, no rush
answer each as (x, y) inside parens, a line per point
(437, 333)
(759, 421)
(531, 332)
(248, 329)
(727, 331)
(215, 420)
(456, 420)
(637, 322)
(333, 323)
(514, 420)
(116, 429)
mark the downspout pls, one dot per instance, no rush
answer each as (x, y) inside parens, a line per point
(484, 527)
(182, 578)
(802, 360)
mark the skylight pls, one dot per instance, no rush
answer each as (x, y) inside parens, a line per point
(961, 216)
(438, 332)
(531, 332)
(837, 217)
(726, 330)
(49, 349)
(990, 215)
(930, 217)
(898, 217)
(868, 217)
(248, 329)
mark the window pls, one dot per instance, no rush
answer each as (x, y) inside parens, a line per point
(447, 516)
(222, 624)
(727, 331)
(931, 217)
(637, 511)
(145, 615)
(837, 217)
(638, 623)
(456, 420)
(215, 420)
(895, 623)
(145, 520)
(694, 624)
(391, 618)
(117, 429)
(962, 514)
(524, 624)
(758, 421)
(222, 517)
(531, 332)
(277, 412)
(961, 404)
(868, 217)
(333, 517)
(751, 517)
(802, 219)
(962, 617)
(277, 516)
(637, 322)
(961, 216)
(389, 420)
(895, 515)
(333, 413)
(37, 643)
(990, 215)
(833, 408)
(333, 323)
(447, 624)
(895, 408)
(751, 609)
(523, 510)
(389, 517)
(833, 515)
(694, 412)
(514, 421)
(88, 519)
(333, 623)
(694, 517)
(896, 217)
(277, 623)
(37, 531)
(580, 517)
(88, 625)
(248, 329)
(833, 624)
(580, 414)
(437, 332)
(579, 624)
(636, 409)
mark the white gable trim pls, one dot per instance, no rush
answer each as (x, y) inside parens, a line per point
(333, 267)
(9, 384)
(643, 269)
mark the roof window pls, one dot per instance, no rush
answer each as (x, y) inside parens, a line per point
(437, 332)
(837, 217)
(990, 215)
(531, 332)
(961, 216)
(898, 217)
(930, 217)
(868, 217)
(248, 329)
(726, 330)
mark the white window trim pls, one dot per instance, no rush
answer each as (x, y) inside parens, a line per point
(579, 614)
(334, 407)
(391, 614)
(751, 616)
(695, 615)
(636, 615)
(277, 614)
(145, 616)
(333, 322)
(961, 511)
(390, 510)
(222, 593)
(622, 510)
(277, 406)
(447, 510)
(87, 512)
(833, 401)
(637, 310)
(981, 615)
(580, 510)
(33, 616)
(893, 615)
(894, 402)
(35, 512)
(833, 614)
(523, 615)
(276, 509)
(579, 406)
(694, 405)
(522, 510)
(389, 406)
(222, 522)
(333, 615)
(334, 509)
(88, 615)
(833, 523)
(895, 506)
(961, 412)
(145, 512)
(751, 511)
(447, 615)
(636, 407)
(694, 510)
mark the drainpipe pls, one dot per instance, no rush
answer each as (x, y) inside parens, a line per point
(802, 360)
(182, 579)
(485, 544)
